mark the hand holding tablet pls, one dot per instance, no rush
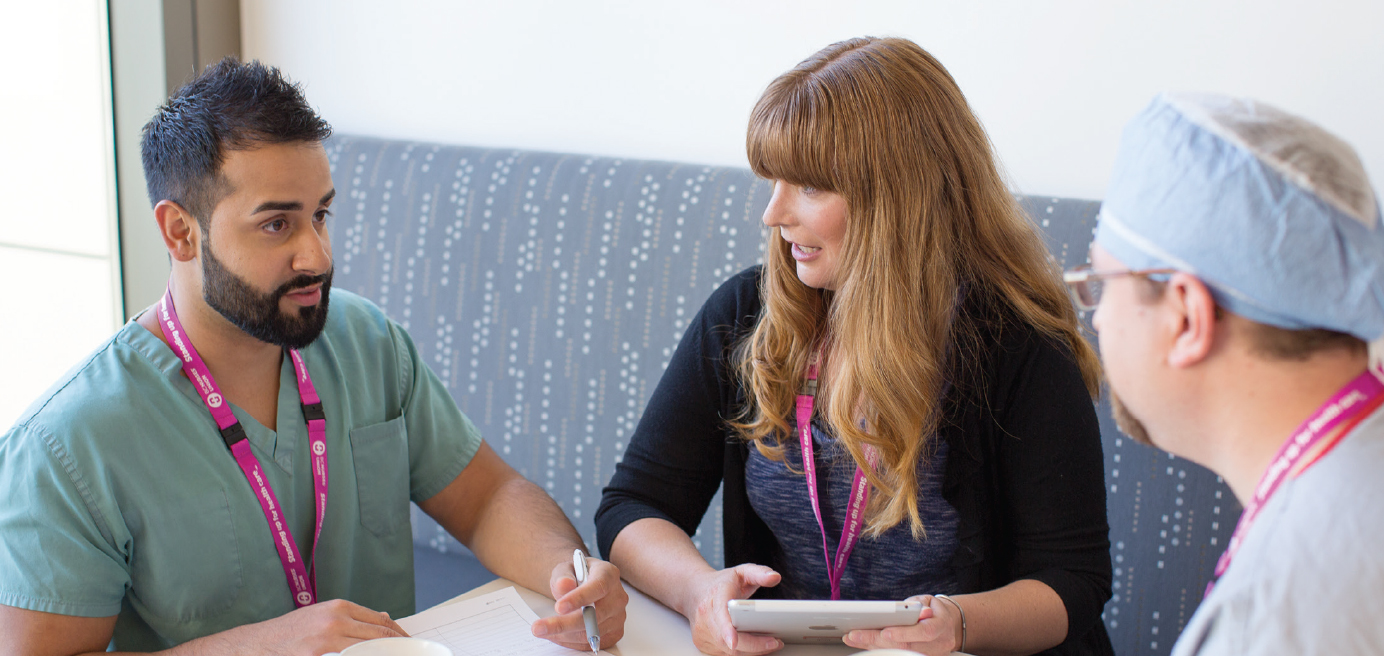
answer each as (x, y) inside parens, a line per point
(818, 622)
(924, 623)
(705, 607)
(940, 629)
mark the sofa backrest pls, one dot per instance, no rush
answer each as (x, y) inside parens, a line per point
(548, 292)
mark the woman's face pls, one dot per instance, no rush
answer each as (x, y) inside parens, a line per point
(814, 223)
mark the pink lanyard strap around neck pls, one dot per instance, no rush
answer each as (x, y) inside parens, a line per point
(1347, 404)
(860, 486)
(301, 583)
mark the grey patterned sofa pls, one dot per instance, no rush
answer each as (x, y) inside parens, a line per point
(548, 292)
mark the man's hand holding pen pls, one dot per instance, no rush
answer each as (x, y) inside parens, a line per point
(601, 589)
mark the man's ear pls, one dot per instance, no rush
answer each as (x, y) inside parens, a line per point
(1193, 310)
(179, 229)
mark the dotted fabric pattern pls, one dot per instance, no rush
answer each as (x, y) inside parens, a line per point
(548, 291)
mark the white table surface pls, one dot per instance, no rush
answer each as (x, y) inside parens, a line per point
(651, 629)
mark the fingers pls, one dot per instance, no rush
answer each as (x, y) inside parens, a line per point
(887, 639)
(379, 619)
(758, 576)
(343, 623)
(368, 624)
(360, 613)
(563, 631)
(546, 627)
(740, 644)
(602, 590)
(736, 644)
(563, 580)
(602, 584)
(747, 578)
(862, 639)
(928, 636)
(712, 629)
(610, 614)
(394, 626)
(570, 623)
(918, 637)
(749, 644)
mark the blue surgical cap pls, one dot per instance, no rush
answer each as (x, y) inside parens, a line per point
(1272, 212)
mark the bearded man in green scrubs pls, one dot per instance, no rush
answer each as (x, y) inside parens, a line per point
(127, 517)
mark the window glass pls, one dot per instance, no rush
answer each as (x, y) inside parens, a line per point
(58, 298)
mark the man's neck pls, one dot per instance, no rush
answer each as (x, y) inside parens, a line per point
(246, 369)
(222, 345)
(1259, 404)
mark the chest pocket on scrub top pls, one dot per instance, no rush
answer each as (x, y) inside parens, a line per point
(380, 453)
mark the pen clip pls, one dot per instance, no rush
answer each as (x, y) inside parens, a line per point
(579, 565)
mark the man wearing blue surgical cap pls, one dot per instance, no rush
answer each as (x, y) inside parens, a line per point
(1242, 260)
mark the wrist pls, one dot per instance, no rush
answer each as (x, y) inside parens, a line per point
(695, 591)
(958, 626)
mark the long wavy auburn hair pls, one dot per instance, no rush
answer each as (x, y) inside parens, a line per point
(882, 123)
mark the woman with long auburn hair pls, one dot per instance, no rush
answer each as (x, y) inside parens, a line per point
(907, 348)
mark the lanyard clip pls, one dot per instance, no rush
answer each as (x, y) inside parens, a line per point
(313, 411)
(232, 434)
(809, 387)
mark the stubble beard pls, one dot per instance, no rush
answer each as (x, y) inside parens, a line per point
(1127, 422)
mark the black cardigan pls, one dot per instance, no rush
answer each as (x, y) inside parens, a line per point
(1025, 471)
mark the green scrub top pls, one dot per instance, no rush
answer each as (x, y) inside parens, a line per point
(122, 499)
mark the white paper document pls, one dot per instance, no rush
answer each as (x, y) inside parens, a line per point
(496, 624)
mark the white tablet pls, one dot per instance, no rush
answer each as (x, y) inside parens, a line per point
(802, 621)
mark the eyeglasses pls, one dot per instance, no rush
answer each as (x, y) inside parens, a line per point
(1086, 284)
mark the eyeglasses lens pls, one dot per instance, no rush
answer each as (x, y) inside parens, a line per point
(1091, 289)
(1086, 293)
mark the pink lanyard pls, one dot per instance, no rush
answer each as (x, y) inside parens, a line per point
(302, 584)
(860, 486)
(1350, 402)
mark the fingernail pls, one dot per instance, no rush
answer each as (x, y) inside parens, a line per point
(540, 630)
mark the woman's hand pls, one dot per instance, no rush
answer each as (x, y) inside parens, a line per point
(712, 631)
(937, 633)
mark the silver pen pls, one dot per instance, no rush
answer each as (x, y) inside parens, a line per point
(588, 613)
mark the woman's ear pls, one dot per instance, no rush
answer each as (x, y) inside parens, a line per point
(1192, 311)
(179, 229)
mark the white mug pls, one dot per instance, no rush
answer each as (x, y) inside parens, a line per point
(394, 647)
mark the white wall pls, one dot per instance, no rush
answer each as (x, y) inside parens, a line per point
(1052, 80)
(59, 279)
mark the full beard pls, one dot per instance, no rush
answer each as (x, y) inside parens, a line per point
(258, 314)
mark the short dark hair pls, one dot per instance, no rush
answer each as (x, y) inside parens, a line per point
(229, 106)
(1272, 342)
